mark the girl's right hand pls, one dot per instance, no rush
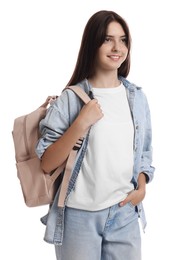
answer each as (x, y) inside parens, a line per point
(90, 114)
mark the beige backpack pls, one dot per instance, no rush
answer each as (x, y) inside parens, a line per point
(39, 188)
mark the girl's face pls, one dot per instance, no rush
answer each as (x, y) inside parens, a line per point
(113, 51)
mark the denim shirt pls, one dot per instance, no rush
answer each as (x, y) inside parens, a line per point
(59, 117)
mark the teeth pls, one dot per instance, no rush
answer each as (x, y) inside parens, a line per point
(113, 56)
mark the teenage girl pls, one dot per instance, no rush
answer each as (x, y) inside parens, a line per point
(99, 218)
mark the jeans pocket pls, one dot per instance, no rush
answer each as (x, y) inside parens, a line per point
(131, 205)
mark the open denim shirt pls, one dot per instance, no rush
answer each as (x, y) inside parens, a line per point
(59, 117)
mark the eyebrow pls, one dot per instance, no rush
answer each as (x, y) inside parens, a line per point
(111, 36)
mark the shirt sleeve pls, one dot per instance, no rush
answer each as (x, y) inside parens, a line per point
(53, 125)
(146, 157)
(58, 119)
(51, 128)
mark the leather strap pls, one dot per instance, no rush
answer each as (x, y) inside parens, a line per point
(72, 156)
(66, 177)
(80, 92)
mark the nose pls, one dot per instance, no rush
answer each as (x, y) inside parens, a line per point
(116, 46)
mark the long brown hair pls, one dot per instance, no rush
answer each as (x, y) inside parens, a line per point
(93, 37)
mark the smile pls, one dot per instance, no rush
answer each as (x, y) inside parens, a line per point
(114, 57)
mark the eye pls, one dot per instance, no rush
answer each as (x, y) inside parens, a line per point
(124, 40)
(108, 39)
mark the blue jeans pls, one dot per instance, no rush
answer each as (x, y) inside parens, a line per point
(109, 234)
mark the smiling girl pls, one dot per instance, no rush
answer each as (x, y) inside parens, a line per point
(99, 218)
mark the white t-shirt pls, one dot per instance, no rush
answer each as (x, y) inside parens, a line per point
(106, 171)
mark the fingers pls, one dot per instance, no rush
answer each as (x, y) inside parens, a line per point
(128, 199)
(49, 100)
(96, 104)
(124, 202)
(135, 197)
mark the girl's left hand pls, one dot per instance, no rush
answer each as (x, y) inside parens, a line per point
(49, 100)
(134, 197)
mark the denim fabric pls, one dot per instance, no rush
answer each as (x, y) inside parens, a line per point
(59, 117)
(112, 233)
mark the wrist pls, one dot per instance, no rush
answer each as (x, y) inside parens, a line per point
(80, 126)
(142, 182)
(142, 188)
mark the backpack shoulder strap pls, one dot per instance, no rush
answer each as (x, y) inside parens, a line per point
(80, 92)
(72, 156)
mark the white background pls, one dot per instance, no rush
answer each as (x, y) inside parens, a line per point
(39, 43)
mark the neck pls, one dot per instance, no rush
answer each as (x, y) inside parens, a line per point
(104, 81)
